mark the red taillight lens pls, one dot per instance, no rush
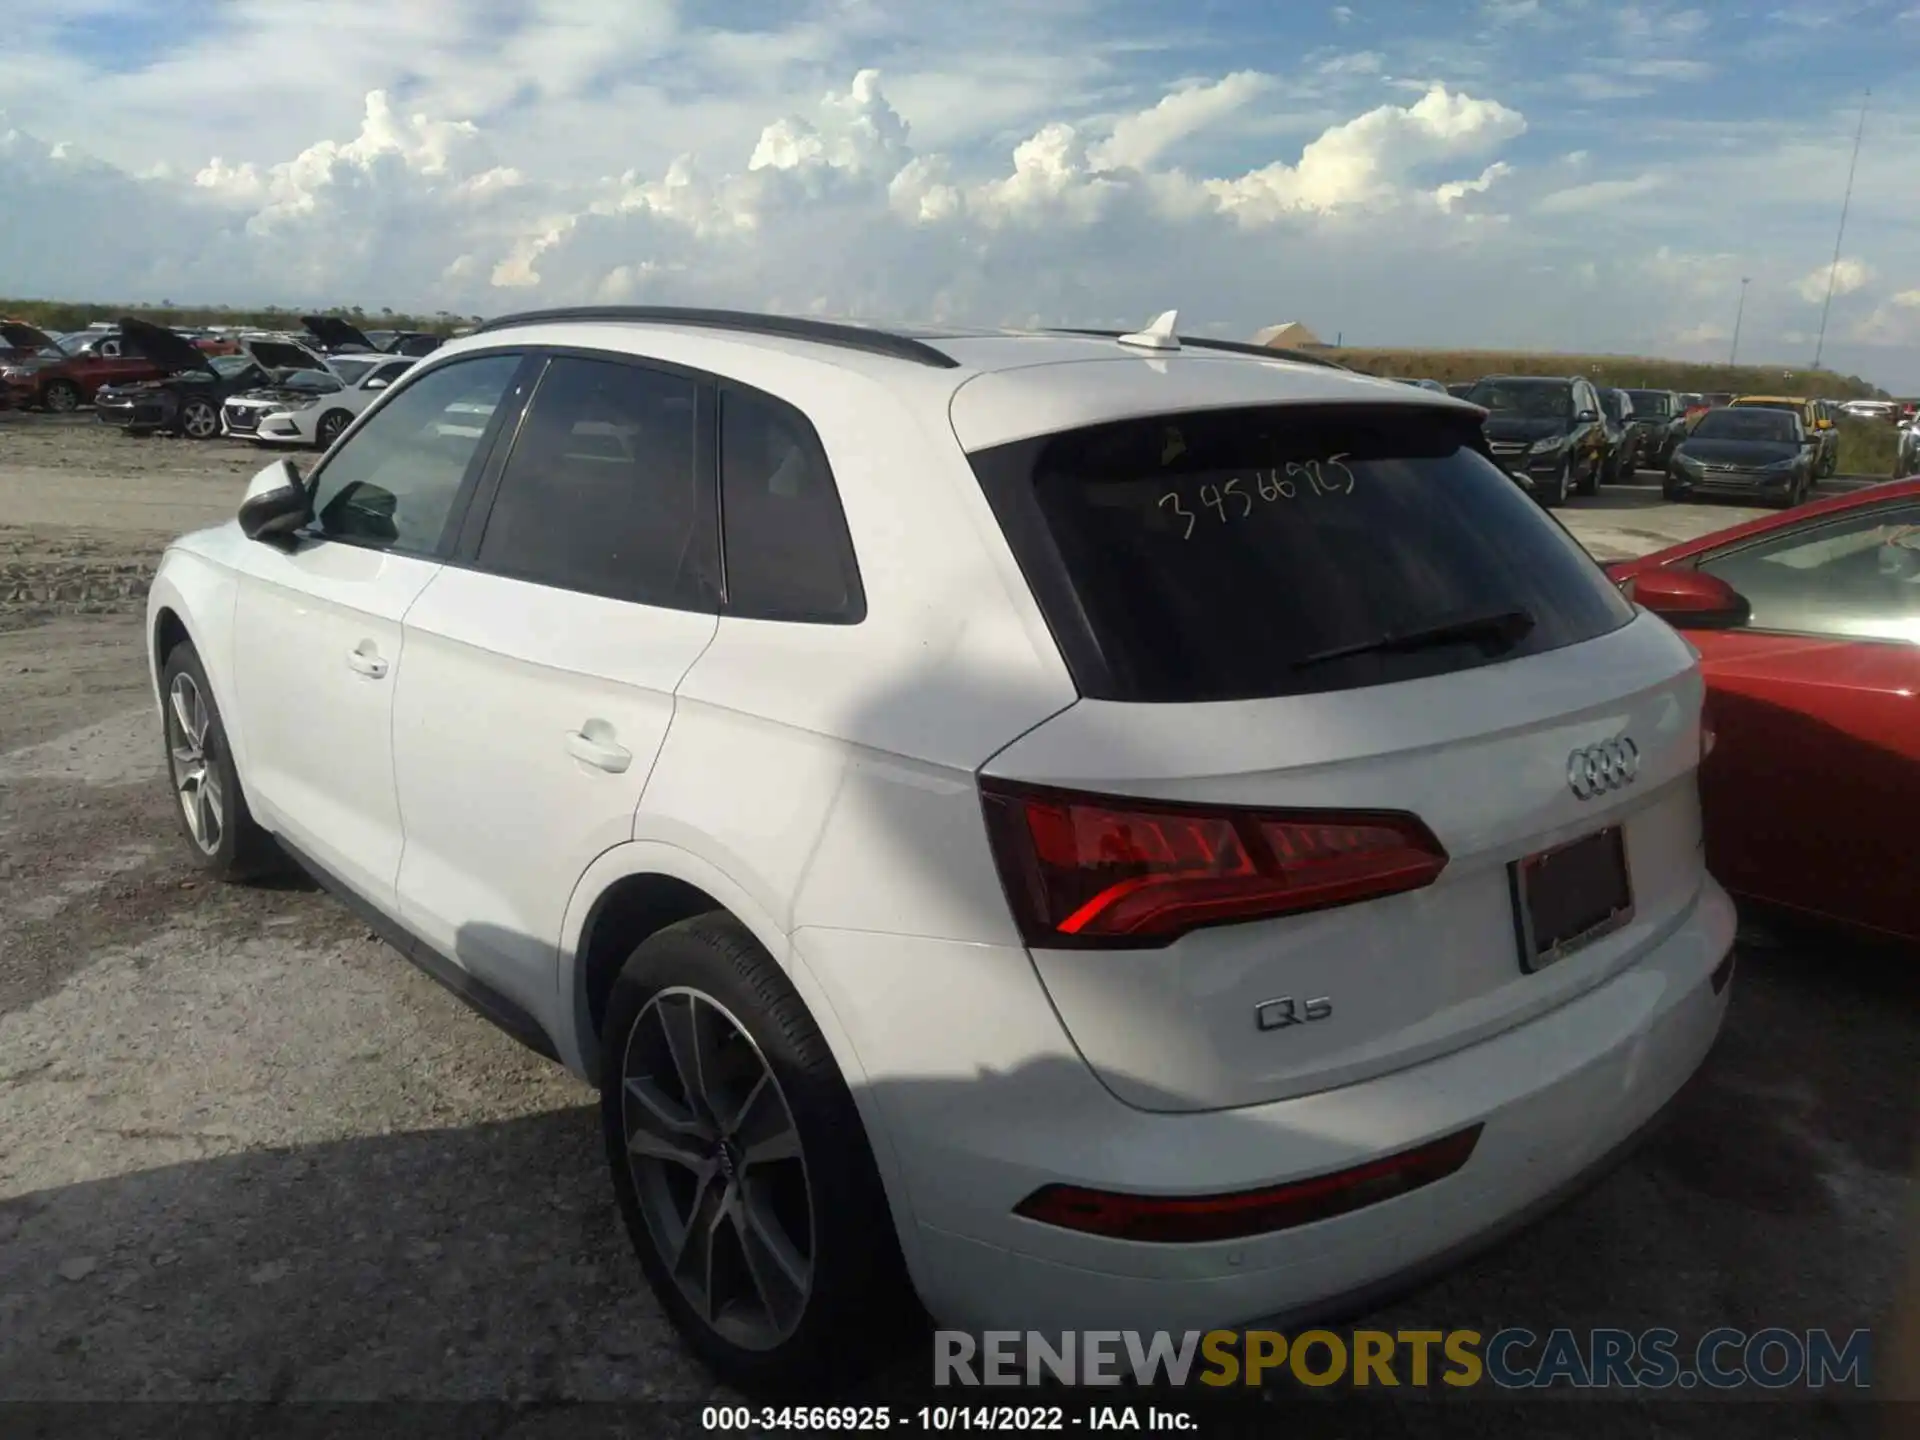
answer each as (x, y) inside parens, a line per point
(1188, 1220)
(1088, 870)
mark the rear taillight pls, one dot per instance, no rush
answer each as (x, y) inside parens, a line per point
(1093, 871)
(1196, 1219)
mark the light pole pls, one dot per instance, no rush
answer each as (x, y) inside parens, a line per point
(1846, 203)
(1733, 356)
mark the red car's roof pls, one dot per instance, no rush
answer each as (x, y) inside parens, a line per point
(1831, 505)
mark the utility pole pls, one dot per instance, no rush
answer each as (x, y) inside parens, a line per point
(1846, 203)
(1733, 357)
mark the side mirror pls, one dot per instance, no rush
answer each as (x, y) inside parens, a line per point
(377, 383)
(1689, 599)
(1586, 417)
(276, 504)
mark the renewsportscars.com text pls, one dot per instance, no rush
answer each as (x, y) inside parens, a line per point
(1514, 1358)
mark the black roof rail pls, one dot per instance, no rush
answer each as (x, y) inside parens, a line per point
(1235, 347)
(786, 327)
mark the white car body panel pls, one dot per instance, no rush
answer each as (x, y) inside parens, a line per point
(820, 782)
(500, 677)
(1174, 1029)
(269, 421)
(317, 655)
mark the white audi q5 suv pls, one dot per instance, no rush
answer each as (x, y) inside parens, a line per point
(1082, 830)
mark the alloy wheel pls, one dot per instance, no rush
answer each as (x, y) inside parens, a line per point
(61, 398)
(330, 428)
(196, 778)
(718, 1168)
(199, 420)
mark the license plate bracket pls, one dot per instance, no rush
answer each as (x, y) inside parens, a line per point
(1569, 896)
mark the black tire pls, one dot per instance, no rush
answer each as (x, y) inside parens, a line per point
(198, 419)
(1596, 477)
(60, 397)
(329, 428)
(858, 1303)
(1670, 491)
(1554, 491)
(242, 850)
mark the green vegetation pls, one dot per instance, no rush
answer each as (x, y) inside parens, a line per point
(1867, 446)
(59, 315)
(1625, 371)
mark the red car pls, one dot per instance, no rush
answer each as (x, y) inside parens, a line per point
(63, 375)
(1808, 628)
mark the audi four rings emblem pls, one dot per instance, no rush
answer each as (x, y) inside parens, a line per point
(1600, 768)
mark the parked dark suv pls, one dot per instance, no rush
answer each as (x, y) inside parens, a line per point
(1547, 429)
(1663, 417)
(1623, 435)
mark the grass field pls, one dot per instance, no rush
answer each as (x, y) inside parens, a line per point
(1625, 371)
(1867, 447)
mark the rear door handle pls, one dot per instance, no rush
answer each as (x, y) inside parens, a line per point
(593, 744)
(365, 660)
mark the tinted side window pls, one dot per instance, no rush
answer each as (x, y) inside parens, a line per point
(788, 553)
(386, 375)
(1857, 577)
(394, 481)
(602, 494)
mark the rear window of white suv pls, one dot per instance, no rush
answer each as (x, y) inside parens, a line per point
(1255, 553)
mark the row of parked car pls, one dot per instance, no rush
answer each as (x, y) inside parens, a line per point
(1566, 436)
(276, 387)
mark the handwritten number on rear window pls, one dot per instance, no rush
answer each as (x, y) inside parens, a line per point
(1331, 476)
(1173, 499)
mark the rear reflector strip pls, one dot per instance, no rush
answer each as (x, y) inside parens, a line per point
(1192, 1220)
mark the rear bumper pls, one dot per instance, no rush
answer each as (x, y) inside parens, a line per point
(1556, 1096)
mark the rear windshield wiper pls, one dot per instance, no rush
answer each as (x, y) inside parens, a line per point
(1504, 628)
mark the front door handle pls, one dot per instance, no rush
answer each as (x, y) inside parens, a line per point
(594, 744)
(365, 660)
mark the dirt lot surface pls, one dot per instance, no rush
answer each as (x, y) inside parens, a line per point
(247, 1153)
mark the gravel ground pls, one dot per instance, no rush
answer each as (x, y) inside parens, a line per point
(247, 1153)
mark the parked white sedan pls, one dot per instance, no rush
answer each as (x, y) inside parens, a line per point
(312, 407)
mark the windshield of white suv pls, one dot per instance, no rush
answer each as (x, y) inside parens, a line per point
(1252, 553)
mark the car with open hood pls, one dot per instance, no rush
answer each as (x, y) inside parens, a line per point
(1548, 428)
(411, 343)
(312, 407)
(338, 336)
(21, 341)
(1752, 451)
(65, 372)
(186, 398)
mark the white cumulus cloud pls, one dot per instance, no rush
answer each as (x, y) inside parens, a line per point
(1847, 275)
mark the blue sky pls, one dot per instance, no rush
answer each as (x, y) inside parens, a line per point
(1571, 173)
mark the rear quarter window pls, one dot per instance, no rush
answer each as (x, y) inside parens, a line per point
(1222, 555)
